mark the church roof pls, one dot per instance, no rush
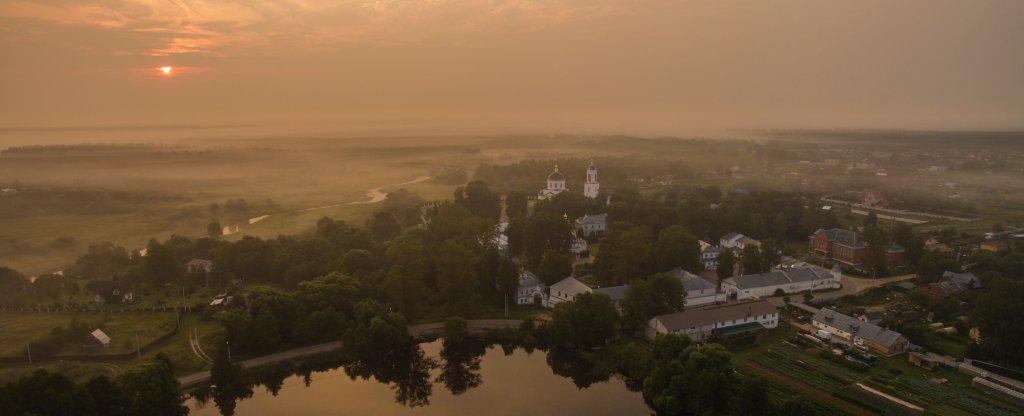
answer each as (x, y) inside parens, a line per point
(556, 175)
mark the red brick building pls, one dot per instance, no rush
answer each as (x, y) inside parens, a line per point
(845, 246)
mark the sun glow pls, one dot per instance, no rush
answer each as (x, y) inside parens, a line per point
(166, 70)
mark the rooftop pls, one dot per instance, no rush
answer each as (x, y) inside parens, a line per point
(857, 327)
(570, 285)
(615, 292)
(713, 314)
(779, 277)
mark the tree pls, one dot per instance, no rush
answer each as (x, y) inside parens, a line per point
(647, 298)
(214, 230)
(544, 231)
(12, 282)
(456, 329)
(457, 283)
(878, 243)
(626, 254)
(515, 204)
(771, 255)
(752, 261)
(101, 261)
(478, 198)
(726, 264)
(780, 227)
(904, 235)
(554, 266)
(1002, 337)
(699, 380)
(160, 265)
(150, 388)
(225, 374)
(383, 226)
(584, 323)
(267, 334)
(508, 277)
(677, 247)
(871, 219)
(405, 282)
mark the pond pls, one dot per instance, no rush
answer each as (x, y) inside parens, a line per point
(473, 379)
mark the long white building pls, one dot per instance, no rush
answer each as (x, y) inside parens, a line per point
(790, 281)
(702, 323)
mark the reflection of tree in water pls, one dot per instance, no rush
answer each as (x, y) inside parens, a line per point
(408, 367)
(461, 369)
(577, 366)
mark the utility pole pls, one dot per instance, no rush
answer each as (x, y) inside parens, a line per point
(138, 347)
(28, 346)
(229, 349)
(506, 304)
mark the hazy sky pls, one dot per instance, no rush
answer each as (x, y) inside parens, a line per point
(545, 65)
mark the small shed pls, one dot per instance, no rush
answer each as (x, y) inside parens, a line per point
(96, 341)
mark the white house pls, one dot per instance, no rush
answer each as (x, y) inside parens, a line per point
(592, 225)
(709, 257)
(737, 241)
(591, 187)
(531, 291)
(698, 290)
(556, 185)
(793, 280)
(566, 291)
(579, 246)
(704, 322)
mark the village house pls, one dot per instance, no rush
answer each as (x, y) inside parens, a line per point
(873, 198)
(566, 290)
(953, 283)
(737, 241)
(199, 266)
(846, 247)
(698, 291)
(716, 321)
(532, 290)
(709, 255)
(96, 341)
(789, 281)
(864, 334)
(114, 290)
(592, 225)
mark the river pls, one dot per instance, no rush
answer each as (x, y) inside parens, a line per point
(487, 382)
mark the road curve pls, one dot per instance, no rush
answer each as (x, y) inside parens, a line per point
(476, 326)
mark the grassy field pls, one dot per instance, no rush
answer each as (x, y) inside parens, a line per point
(120, 326)
(20, 328)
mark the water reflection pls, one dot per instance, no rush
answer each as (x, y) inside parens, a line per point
(518, 382)
(407, 370)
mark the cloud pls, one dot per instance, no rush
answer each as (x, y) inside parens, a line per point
(204, 27)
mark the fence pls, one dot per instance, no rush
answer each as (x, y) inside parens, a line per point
(143, 349)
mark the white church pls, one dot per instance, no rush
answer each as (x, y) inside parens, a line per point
(556, 184)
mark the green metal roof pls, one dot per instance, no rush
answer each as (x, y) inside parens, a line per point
(741, 328)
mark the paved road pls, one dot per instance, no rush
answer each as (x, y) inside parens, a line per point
(851, 286)
(266, 359)
(475, 326)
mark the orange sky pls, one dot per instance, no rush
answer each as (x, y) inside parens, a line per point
(647, 66)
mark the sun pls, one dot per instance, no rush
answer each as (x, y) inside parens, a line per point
(166, 70)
